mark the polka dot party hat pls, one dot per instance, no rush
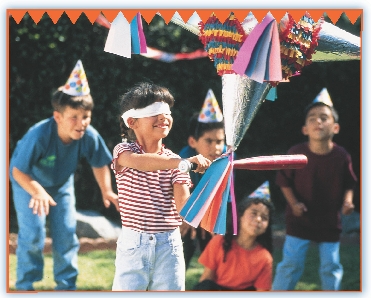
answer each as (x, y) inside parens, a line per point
(262, 192)
(210, 111)
(77, 83)
(323, 97)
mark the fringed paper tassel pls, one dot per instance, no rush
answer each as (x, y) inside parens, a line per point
(298, 43)
(222, 41)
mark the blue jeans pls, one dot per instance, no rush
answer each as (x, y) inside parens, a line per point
(290, 269)
(149, 261)
(31, 240)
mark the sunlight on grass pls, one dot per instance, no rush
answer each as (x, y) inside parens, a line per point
(97, 270)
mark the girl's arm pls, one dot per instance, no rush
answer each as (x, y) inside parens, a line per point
(148, 162)
(181, 194)
(207, 274)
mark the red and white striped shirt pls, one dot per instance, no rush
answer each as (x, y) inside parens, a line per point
(146, 199)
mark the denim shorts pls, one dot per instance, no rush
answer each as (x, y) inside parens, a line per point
(153, 262)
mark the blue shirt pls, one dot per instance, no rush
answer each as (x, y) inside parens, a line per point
(42, 155)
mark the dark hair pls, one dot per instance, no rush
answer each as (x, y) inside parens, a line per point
(334, 113)
(61, 100)
(138, 97)
(196, 129)
(264, 239)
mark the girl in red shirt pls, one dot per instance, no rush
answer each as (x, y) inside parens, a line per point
(243, 261)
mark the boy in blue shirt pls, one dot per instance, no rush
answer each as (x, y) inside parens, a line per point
(42, 174)
(206, 137)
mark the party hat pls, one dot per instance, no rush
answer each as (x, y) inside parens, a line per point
(77, 83)
(210, 111)
(323, 97)
(262, 192)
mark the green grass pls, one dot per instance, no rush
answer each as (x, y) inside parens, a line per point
(97, 270)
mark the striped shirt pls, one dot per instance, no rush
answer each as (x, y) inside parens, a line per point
(146, 199)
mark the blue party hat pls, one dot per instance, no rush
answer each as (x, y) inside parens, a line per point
(262, 192)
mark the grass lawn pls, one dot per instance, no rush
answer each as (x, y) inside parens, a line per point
(97, 270)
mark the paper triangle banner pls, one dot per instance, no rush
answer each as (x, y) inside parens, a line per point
(119, 37)
(259, 56)
(138, 40)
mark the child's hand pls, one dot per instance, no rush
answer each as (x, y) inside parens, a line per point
(110, 197)
(185, 228)
(298, 209)
(40, 203)
(202, 163)
(347, 208)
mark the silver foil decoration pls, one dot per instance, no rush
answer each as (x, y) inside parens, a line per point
(241, 99)
(335, 44)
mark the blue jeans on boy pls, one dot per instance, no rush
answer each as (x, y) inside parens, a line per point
(31, 239)
(290, 269)
(153, 262)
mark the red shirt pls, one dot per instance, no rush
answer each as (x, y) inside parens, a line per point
(146, 199)
(242, 269)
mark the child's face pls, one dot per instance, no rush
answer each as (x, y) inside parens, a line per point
(156, 127)
(320, 124)
(72, 123)
(210, 144)
(255, 220)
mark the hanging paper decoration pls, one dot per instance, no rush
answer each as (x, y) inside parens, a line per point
(155, 53)
(124, 39)
(213, 185)
(207, 206)
(138, 39)
(118, 40)
(259, 56)
(298, 43)
(222, 41)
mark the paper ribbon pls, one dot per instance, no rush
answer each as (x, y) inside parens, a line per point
(259, 56)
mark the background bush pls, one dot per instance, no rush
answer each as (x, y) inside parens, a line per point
(42, 56)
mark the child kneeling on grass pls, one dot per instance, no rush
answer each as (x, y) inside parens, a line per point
(241, 262)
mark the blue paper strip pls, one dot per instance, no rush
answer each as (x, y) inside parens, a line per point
(135, 42)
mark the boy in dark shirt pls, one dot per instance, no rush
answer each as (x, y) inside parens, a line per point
(316, 195)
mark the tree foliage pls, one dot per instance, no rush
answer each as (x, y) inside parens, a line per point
(42, 56)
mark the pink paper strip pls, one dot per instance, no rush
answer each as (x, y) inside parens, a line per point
(142, 38)
(196, 221)
(233, 198)
(244, 54)
(262, 58)
(275, 68)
